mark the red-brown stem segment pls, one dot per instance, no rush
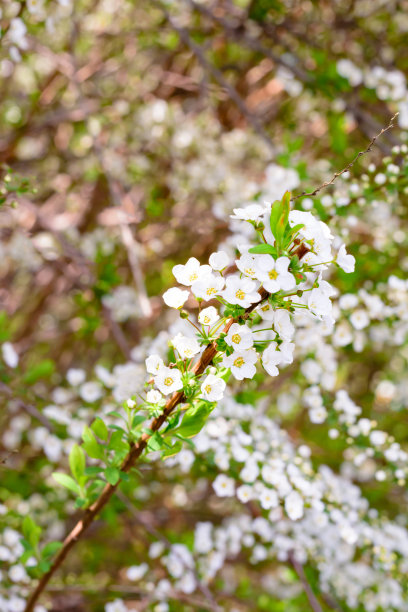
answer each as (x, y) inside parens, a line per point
(136, 450)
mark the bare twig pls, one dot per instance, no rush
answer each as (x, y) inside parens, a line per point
(253, 119)
(28, 408)
(298, 567)
(337, 174)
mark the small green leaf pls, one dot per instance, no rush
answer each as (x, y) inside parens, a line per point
(112, 475)
(90, 445)
(50, 549)
(263, 249)
(100, 429)
(77, 462)
(41, 370)
(67, 481)
(194, 420)
(31, 531)
(173, 450)
(155, 443)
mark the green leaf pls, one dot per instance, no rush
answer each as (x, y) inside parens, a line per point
(117, 443)
(276, 211)
(31, 531)
(155, 443)
(77, 462)
(173, 450)
(41, 370)
(100, 429)
(137, 420)
(67, 481)
(50, 549)
(194, 420)
(90, 445)
(112, 475)
(263, 249)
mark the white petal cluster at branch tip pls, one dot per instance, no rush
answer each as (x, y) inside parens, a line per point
(274, 274)
(208, 316)
(186, 347)
(175, 297)
(241, 363)
(252, 212)
(239, 337)
(219, 260)
(212, 388)
(154, 363)
(190, 272)
(168, 380)
(241, 291)
(207, 287)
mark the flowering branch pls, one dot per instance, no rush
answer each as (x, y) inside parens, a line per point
(134, 454)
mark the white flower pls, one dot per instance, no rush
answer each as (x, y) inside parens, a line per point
(219, 260)
(224, 486)
(252, 212)
(273, 274)
(168, 380)
(190, 272)
(241, 291)
(266, 311)
(154, 363)
(208, 316)
(9, 355)
(283, 325)
(75, 376)
(346, 261)
(268, 498)
(175, 297)
(91, 391)
(286, 350)
(241, 363)
(136, 572)
(239, 337)
(208, 286)
(359, 319)
(153, 396)
(271, 358)
(17, 32)
(319, 303)
(246, 265)
(35, 6)
(245, 493)
(318, 414)
(116, 606)
(294, 505)
(212, 388)
(186, 347)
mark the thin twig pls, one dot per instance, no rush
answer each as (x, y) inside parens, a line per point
(298, 567)
(28, 408)
(253, 119)
(337, 174)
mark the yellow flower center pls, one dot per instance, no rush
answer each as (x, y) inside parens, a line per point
(168, 381)
(236, 338)
(207, 388)
(206, 320)
(239, 362)
(249, 271)
(193, 277)
(265, 308)
(273, 274)
(211, 290)
(240, 294)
